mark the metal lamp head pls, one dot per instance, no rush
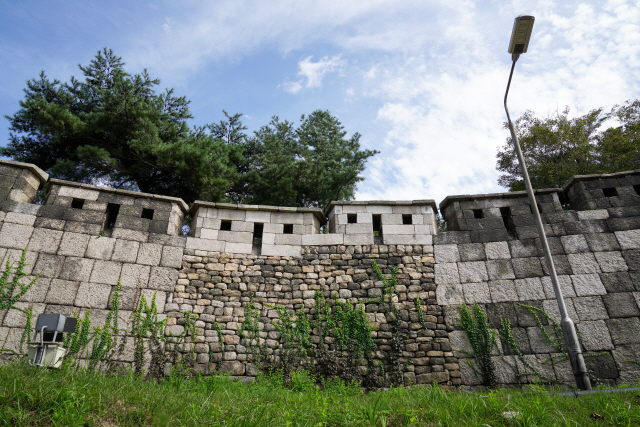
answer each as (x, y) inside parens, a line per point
(521, 34)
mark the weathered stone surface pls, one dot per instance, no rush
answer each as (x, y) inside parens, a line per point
(617, 282)
(149, 254)
(529, 289)
(48, 265)
(527, 267)
(171, 257)
(590, 308)
(77, 269)
(583, 263)
(503, 290)
(62, 292)
(233, 366)
(450, 294)
(468, 375)
(587, 284)
(471, 272)
(460, 344)
(497, 250)
(624, 331)
(594, 335)
(601, 242)
(472, 252)
(92, 295)
(134, 275)
(45, 240)
(611, 261)
(500, 269)
(163, 278)
(621, 305)
(17, 318)
(15, 236)
(73, 244)
(537, 340)
(565, 283)
(574, 244)
(106, 272)
(446, 253)
(629, 239)
(447, 273)
(38, 290)
(125, 251)
(476, 292)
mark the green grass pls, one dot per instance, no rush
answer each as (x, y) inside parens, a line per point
(39, 397)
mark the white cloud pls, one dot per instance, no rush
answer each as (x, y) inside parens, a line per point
(313, 72)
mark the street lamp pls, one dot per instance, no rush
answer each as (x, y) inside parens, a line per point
(519, 43)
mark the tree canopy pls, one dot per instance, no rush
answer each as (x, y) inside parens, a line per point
(557, 147)
(113, 128)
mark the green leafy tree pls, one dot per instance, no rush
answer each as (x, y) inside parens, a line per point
(309, 166)
(557, 147)
(113, 127)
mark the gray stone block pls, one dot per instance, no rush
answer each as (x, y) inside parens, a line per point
(472, 252)
(503, 290)
(566, 286)
(159, 227)
(476, 292)
(601, 242)
(48, 265)
(149, 254)
(500, 269)
(132, 223)
(15, 236)
(537, 340)
(602, 366)
(530, 289)
(583, 263)
(77, 269)
(281, 250)
(62, 292)
(20, 218)
(625, 356)
(125, 250)
(594, 335)
(93, 295)
(471, 272)
(165, 240)
(160, 296)
(321, 239)
(610, 262)
(590, 308)
(494, 235)
(126, 297)
(235, 236)
(628, 239)
(285, 239)
(450, 294)
(398, 239)
(134, 275)
(38, 290)
(451, 237)
(17, 319)
(14, 256)
(86, 216)
(238, 248)
(497, 250)
(446, 273)
(523, 248)
(551, 308)
(574, 244)
(138, 236)
(619, 224)
(171, 257)
(163, 278)
(54, 224)
(100, 247)
(587, 284)
(468, 376)
(624, 331)
(73, 244)
(621, 305)
(527, 267)
(106, 272)
(205, 244)
(83, 228)
(460, 344)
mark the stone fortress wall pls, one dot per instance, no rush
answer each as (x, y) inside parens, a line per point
(83, 238)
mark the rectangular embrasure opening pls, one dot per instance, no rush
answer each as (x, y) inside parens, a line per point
(225, 225)
(508, 221)
(287, 229)
(407, 219)
(352, 218)
(112, 215)
(77, 203)
(637, 189)
(478, 214)
(147, 214)
(377, 229)
(610, 192)
(258, 229)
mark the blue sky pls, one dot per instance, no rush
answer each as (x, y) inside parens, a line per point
(422, 81)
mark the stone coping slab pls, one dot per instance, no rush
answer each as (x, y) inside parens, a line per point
(181, 203)
(42, 175)
(317, 212)
(512, 195)
(577, 178)
(426, 202)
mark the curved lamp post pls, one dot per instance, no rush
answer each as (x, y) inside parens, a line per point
(520, 37)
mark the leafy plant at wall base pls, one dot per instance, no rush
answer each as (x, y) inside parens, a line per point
(507, 335)
(8, 293)
(555, 338)
(482, 340)
(145, 326)
(76, 342)
(27, 328)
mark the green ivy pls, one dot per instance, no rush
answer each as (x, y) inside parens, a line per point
(483, 341)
